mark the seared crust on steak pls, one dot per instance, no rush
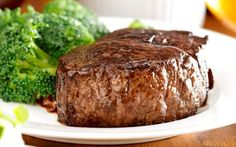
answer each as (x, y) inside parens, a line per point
(183, 40)
(120, 82)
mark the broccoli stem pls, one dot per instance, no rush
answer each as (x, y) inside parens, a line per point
(51, 70)
(39, 63)
(41, 60)
(36, 63)
(40, 53)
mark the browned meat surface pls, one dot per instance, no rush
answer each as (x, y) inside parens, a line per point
(126, 81)
(48, 103)
(182, 39)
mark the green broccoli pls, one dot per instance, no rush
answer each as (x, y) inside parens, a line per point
(60, 34)
(1, 131)
(21, 116)
(30, 45)
(8, 16)
(137, 24)
(73, 9)
(27, 72)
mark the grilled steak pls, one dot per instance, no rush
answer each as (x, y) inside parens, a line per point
(132, 77)
(182, 39)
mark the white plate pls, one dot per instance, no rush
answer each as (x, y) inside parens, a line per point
(220, 53)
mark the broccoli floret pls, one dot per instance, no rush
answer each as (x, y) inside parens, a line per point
(30, 45)
(73, 9)
(137, 24)
(7, 16)
(58, 34)
(61, 34)
(27, 72)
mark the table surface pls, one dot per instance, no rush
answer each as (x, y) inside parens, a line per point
(221, 137)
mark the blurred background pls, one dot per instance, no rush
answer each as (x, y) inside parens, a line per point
(217, 15)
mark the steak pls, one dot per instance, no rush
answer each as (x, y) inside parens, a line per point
(184, 40)
(132, 77)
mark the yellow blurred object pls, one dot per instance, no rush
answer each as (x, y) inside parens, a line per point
(224, 10)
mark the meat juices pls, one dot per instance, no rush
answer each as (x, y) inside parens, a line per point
(132, 77)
